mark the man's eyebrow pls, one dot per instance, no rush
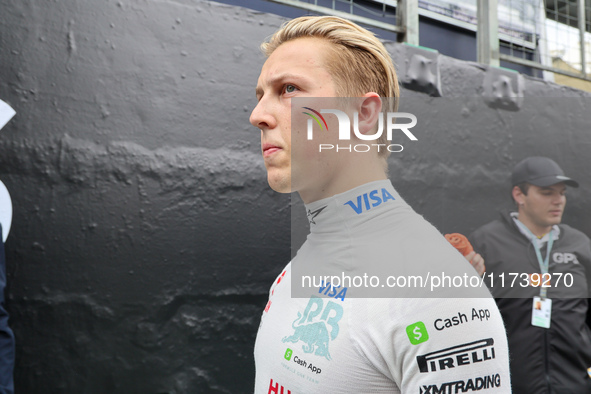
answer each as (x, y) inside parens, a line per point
(552, 188)
(282, 77)
(278, 79)
(258, 91)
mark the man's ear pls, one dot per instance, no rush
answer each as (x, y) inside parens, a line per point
(369, 112)
(517, 195)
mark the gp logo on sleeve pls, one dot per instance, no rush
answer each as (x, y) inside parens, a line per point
(417, 333)
(564, 258)
(317, 327)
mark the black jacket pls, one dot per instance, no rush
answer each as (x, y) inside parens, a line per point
(553, 360)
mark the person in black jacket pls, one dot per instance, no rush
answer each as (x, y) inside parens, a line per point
(539, 272)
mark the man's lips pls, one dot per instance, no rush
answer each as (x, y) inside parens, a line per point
(269, 149)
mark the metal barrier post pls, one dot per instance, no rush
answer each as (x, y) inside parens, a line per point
(487, 34)
(407, 18)
(581, 18)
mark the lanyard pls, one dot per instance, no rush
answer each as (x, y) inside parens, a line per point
(544, 263)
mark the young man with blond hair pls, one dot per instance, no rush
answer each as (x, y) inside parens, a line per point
(354, 337)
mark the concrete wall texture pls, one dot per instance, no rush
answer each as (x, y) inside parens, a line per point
(145, 237)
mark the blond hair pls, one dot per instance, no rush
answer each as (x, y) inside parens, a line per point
(358, 61)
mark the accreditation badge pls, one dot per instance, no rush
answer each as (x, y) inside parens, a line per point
(541, 312)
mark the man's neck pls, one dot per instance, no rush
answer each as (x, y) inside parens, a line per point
(536, 229)
(332, 189)
(354, 175)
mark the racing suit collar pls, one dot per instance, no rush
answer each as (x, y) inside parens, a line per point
(352, 207)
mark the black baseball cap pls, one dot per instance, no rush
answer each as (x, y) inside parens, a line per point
(540, 171)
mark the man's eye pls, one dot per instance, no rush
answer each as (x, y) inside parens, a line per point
(290, 88)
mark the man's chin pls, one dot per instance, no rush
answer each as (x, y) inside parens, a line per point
(555, 220)
(280, 185)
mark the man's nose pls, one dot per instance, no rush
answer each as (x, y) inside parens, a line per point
(559, 199)
(261, 116)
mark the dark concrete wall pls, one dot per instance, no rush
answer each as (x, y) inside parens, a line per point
(145, 238)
